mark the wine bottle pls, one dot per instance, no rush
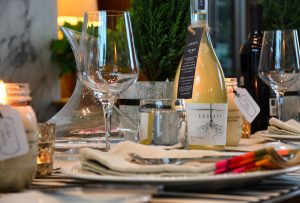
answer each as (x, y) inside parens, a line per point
(250, 53)
(200, 81)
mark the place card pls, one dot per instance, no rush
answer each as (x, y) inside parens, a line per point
(13, 140)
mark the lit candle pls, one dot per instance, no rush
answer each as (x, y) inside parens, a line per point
(46, 149)
(17, 172)
(3, 94)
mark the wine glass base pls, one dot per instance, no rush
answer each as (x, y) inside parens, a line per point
(93, 138)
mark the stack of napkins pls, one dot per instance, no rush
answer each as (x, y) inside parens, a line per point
(117, 161)
(290, 127)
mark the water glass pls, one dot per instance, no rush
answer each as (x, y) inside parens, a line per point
(162, 122)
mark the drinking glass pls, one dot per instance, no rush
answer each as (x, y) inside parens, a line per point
(162, 122)
(279, 62)
(108, 62)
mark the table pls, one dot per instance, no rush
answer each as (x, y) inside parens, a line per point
(60, 188)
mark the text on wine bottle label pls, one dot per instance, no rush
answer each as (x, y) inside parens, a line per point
(13, 140)
(207, 123)
(188, 66)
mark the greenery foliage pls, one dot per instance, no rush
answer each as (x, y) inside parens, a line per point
(61, 52)
(160, 30)
(281, 14)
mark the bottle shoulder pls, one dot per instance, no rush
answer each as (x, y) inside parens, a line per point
(208, 77)
(209, 47)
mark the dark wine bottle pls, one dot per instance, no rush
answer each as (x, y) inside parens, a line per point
(250, 53)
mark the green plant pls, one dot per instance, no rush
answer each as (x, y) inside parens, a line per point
(61, 52)
(281, 14)
(160, 30)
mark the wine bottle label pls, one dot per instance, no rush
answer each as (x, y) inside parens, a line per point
(207, 123)
(188, 66)
(13, 140)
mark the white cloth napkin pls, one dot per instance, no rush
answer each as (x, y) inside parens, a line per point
(255, 142)
(117, 161)
(290, 127)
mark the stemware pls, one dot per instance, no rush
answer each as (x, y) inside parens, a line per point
(279, 62)
(108, 62)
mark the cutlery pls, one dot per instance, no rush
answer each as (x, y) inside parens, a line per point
(177, 161)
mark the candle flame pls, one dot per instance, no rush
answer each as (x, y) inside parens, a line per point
(3, 95)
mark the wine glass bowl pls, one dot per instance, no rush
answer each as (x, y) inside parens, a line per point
(279, 61)
(279, 81)
(108, 62)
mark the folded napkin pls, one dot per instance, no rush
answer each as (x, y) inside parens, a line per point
(117, 161)
(290, 127)
(267, 158)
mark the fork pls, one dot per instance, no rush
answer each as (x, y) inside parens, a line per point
(177, 161)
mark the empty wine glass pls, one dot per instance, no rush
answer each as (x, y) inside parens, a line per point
(108, 62)
(279, 62)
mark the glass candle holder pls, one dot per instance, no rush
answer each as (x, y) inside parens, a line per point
(46, 140)
(234, 116)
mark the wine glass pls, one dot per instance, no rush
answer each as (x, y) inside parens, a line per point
(279, 62)
(108, 62)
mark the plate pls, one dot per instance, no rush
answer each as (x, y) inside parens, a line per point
(265, 133)
(205, 182)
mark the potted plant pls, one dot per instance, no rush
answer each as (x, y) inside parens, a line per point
(281, 14)
(62, 55)
(159, 30)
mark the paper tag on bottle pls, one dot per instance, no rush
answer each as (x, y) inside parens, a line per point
(189, 62)
(246, 104)
(13, 140)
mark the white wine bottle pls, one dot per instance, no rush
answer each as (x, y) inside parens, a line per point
(200, 81)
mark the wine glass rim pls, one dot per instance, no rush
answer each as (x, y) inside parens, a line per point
(108, 12)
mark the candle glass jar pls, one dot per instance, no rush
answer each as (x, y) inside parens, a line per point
(18, 172)
(234, 117)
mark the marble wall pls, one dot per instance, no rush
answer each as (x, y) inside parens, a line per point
(26, 29)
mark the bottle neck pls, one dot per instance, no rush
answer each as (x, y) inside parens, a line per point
(256, 17)
(199, 13)
(255, 33)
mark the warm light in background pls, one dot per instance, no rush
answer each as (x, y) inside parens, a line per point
(72, 11)
(3, 95)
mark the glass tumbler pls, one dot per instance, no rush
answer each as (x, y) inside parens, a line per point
(162, 122)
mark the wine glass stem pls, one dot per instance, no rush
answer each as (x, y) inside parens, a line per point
(279, 98)
(107, 109)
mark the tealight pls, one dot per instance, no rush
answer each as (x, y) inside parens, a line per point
(46, 141)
